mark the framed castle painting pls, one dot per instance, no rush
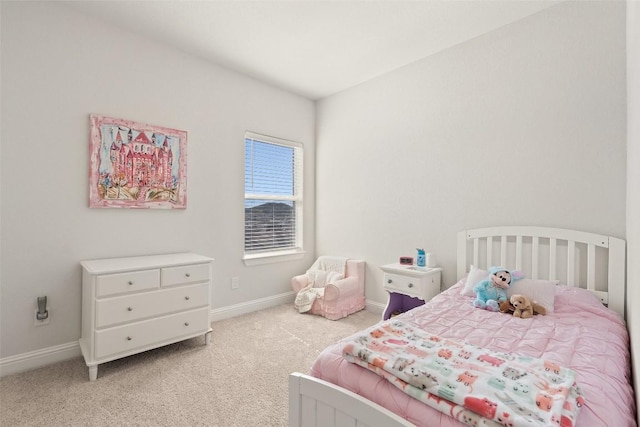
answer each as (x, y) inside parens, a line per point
(135, 165)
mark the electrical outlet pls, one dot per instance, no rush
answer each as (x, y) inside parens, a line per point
(235, 282)
(43, 321)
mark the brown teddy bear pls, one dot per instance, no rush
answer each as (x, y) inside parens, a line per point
(522, 306)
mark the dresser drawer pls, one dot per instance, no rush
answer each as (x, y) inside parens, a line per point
(128, 308)
(112, 284)
(425, 287)
(185, 274)
(166, 329)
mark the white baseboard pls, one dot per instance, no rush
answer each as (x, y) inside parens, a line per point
(374, 307)
(38, 358)
(251, 306)
(46, 356)
(263, 303)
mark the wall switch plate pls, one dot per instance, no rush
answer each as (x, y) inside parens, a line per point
(235, 282)
(43, 321)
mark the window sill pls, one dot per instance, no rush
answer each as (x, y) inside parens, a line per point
(272, 257)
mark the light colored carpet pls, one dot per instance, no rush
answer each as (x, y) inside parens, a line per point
(241, 379)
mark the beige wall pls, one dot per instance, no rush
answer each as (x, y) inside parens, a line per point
(59, 66)
(521, 126)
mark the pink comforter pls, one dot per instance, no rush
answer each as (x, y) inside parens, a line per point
(581, 334)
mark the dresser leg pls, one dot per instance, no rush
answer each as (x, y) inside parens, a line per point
(93, 373)
(207, 338)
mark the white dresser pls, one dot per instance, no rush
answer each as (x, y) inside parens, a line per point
(134, 304)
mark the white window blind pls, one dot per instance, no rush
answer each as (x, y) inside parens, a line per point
(272, 194)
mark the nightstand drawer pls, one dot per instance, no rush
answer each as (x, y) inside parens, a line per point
(403, 284)
(424, 287)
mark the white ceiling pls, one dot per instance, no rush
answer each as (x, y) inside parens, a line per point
(312, 48)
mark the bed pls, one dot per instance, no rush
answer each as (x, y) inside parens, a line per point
(584, 335)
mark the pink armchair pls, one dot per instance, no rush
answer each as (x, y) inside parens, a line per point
(342, 298)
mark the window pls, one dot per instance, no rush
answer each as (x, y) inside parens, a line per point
(272, 196)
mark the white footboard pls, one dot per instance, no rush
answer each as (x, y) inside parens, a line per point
(317, 403)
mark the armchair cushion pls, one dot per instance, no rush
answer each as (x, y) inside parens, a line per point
(320, 278)
(341, 288)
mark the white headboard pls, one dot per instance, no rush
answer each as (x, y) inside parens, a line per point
(575, 258)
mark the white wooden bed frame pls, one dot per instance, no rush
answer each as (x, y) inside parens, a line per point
(575, 258)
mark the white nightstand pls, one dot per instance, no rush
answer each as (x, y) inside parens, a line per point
(409, 286)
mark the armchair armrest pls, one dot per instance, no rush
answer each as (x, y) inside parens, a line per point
(342, 287)
(299, 282)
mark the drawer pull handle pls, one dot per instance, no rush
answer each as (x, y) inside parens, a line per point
(186, 323)
(129, 309)
(129, 338)
(130, 282)
(411, 285)
(389, 281)
(188, 275)
(187, 298)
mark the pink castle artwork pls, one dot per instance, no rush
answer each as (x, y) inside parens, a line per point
(134, 165)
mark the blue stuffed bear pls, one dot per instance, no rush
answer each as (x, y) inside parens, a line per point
(492, 290)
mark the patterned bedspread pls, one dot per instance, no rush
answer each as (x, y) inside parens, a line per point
(472, 384)
(581, 335)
